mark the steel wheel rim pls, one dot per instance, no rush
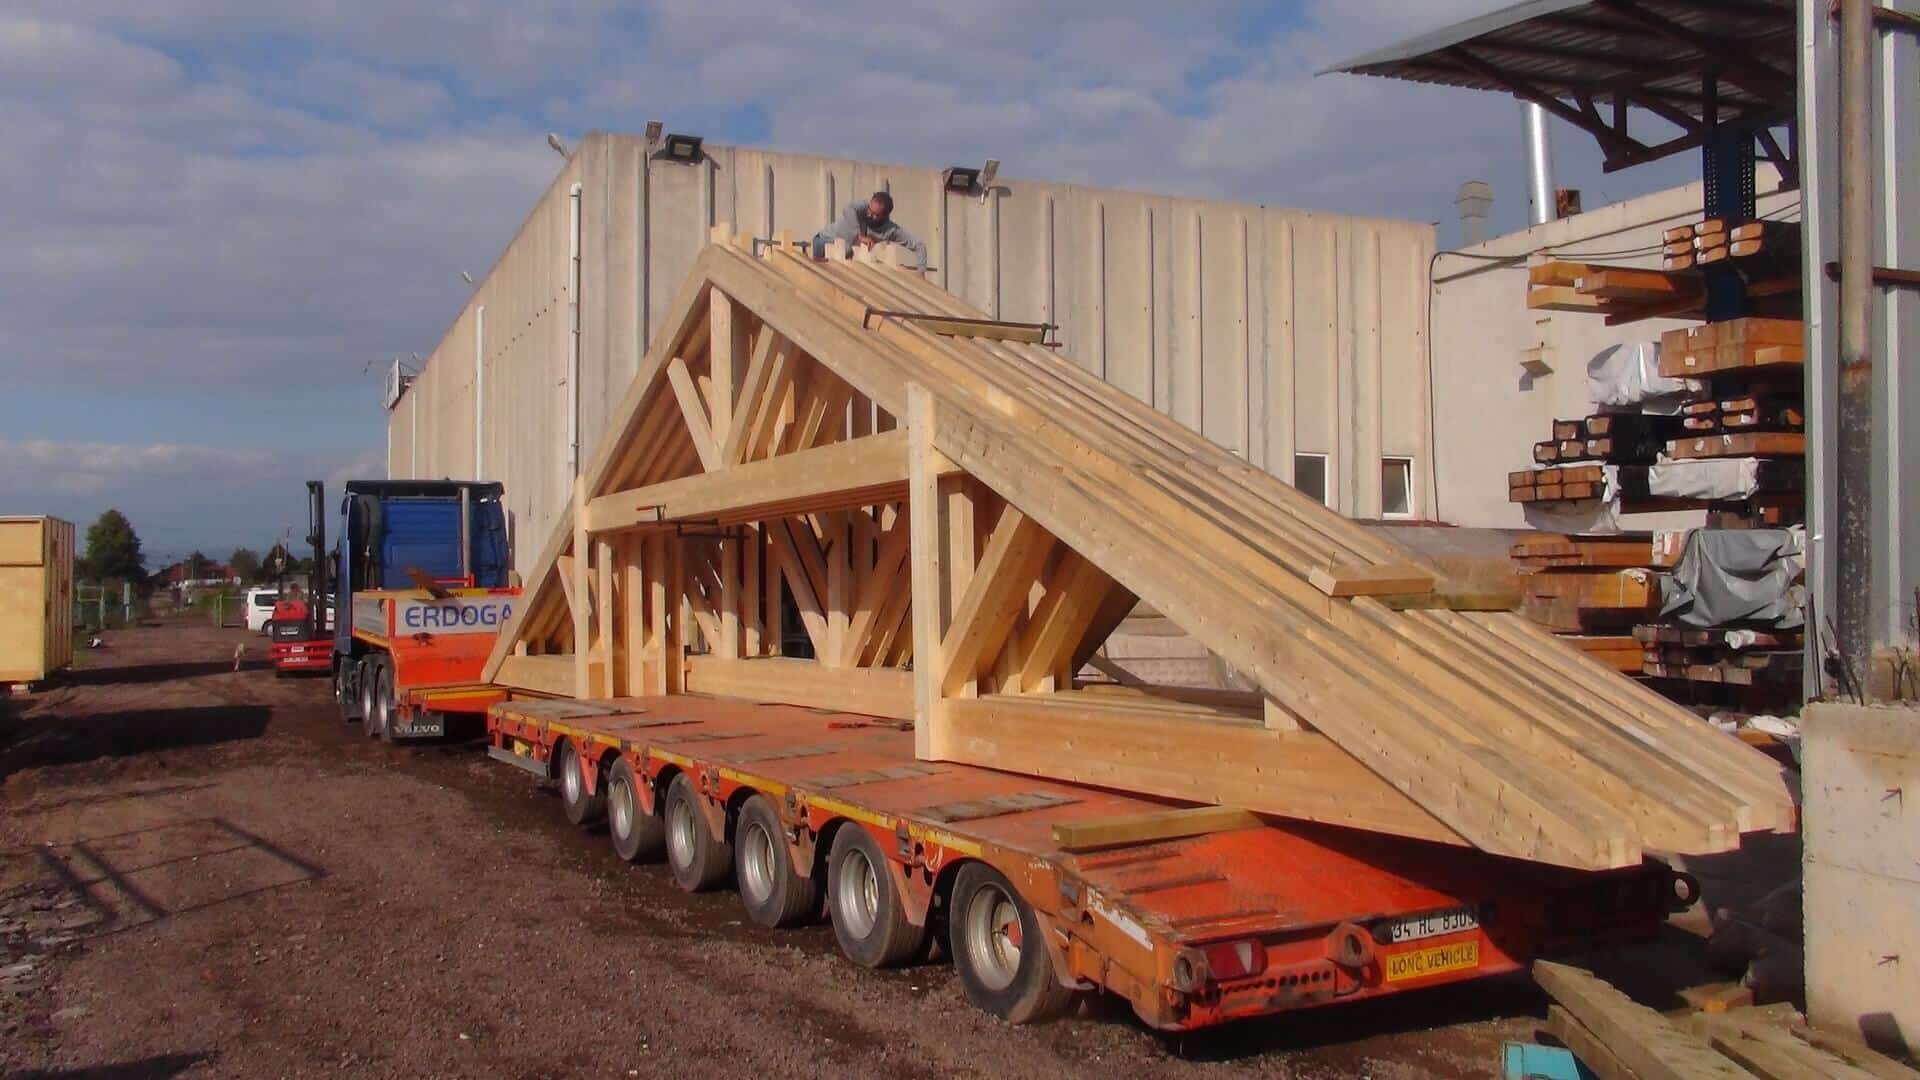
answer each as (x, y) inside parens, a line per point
(570, 777)
(990, 922)
(756, 863)
(857, 893)
(680, 836)
(367, 697)
(620, 808)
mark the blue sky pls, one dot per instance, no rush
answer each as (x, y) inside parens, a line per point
(221, 220)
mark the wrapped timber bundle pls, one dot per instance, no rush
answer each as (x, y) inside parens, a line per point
(960, 515)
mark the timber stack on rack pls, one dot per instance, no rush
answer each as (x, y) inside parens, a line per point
(955, 516)
(1712, 422)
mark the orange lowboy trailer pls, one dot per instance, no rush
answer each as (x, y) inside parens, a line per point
(1192, 930)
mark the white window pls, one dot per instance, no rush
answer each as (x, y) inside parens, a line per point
(1396, 487)
(1310, 475)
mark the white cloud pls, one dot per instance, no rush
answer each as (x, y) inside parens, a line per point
(87, 468)
(236, 203)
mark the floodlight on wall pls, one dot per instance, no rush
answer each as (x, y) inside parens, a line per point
(987, 173)
(681, 149)
(961, 179)
(654, 128)
(558, 146)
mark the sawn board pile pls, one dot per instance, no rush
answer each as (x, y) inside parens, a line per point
(959, 516)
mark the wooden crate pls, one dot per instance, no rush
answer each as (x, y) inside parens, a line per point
(36, 597)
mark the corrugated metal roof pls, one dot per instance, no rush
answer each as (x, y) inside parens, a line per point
(1651, 52)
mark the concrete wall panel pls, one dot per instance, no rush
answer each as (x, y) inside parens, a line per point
(1238, 320)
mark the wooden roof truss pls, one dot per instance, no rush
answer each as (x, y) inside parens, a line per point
(957, 516)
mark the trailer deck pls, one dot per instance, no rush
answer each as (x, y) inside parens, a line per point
(1191, 930)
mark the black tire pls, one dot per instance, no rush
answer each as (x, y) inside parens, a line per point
(376, 700)
(580, 807)
(1009, 976)
(635, 834)
(774, 893)
(346, 690)
(385, 691)
(863, 900)
(699, 860)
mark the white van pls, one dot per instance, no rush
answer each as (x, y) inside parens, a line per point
(260, 608)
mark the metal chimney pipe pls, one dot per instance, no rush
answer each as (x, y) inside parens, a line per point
(1539, 165)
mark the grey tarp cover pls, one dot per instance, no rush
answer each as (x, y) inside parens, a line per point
(1630, 375)
(1705, 478)
(1738, 576)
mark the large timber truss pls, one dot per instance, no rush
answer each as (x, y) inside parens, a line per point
(929, 518)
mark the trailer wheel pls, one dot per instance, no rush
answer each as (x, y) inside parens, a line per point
(864, 901)
(774, 893)
(376, 698)
(581, 808)
(383, 692)
(1005, 967)
(635, 833)
(345, 693)
(699, 860)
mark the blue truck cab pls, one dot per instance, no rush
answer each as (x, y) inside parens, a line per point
(406, 542)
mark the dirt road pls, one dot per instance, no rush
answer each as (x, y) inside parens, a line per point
(204, 871)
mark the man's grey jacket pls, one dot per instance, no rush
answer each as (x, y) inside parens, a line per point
(852, 224)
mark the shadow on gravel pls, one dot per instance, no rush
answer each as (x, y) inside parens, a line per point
(136, 674)
(161, 1065)
(34, 743)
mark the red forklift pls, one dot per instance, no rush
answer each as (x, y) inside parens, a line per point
(301, 631)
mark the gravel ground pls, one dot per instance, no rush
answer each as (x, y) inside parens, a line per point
(202, 870)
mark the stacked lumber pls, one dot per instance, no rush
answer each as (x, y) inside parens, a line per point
(1628, 294)
(1735, 449)
(1620, 438)
(1761, 248)
(1617, 1038)
(1760, 409)
(1590, 592)
(1754, 412)
(1555, 484)
(952, 521)
(1622, 293)
(1729, 655)
(1749, 348)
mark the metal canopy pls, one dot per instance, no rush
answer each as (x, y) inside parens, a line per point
(1699, 64)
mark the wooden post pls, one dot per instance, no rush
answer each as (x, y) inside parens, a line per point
(728, 647)
(749, 546)
(723, 361)
(633, 594)
(673, 647)
(603, 658)
(656, 559)
(839, 592)
(926, 531)
(962, 554)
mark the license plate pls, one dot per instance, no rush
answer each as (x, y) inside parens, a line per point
(1426, 926)
(1434, 960)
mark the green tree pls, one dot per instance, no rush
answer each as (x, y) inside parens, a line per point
(113, 551)
(199, 567)
(246, 564)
